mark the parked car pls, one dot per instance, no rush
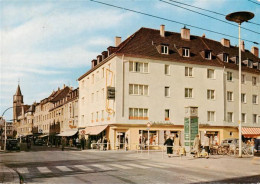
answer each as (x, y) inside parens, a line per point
(39, 142)
(12, 144)
(230, 141)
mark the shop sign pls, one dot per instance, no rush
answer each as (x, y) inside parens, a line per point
(119, 133)
(191, 129)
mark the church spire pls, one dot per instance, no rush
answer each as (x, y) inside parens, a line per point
(18, 91)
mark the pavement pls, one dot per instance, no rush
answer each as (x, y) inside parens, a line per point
(51, 165)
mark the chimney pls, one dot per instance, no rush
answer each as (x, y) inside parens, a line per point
(117, 41)
(162, 31)
(185, 33)
(104, 55)
(242, 46)
(225, 42)
(111, 50)
(93, 63)
(64, 86)
(255, 51)
(99, 59)
(203, 36)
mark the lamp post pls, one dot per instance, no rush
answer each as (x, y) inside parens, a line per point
(239, 17)
(148, 128)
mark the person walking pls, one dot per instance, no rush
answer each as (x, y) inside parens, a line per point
(82, 142)
(206, 145)
(169, 144)
(196, 146)
(177, 144)
(70, 142)
(257, 145)
(63, 143)
(105, 144)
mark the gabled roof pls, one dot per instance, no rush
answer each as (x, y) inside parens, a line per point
(144, 42)
(62, 94)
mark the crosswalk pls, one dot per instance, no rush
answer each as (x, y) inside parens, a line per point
(92, 167)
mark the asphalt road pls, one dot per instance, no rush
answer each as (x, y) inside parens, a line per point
(51, 165)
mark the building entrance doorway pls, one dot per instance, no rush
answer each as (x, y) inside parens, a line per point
(120, 140)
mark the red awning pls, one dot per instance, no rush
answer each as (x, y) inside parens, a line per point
(250, 131)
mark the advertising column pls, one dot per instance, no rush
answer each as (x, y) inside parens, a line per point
(191, 127)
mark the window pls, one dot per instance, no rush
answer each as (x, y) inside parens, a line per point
(82, 118)
(93, 77)
(92, 117)
(167, 69)
(225, 58)
(137, 89)
(138, 67)
(167, 91)
(102, 115)
(243, 77)
(210, 74)
(164, 49)
(188, 92)
(237, 60)
(211, 116)
(167, 114)
(92, 97)
(97, 95)
(186, 52)
(254, 81)
(243, 98)
(254, 118)
(211, 94)
(243, 118)
(103, 72)
(97, 116)
(229, 76)
(208, 54)
(230, 96)
(188, 71)
(255, 99)
(138, 113)
(230, 117)
(250, 63)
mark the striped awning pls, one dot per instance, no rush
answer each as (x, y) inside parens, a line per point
(250, 131)
(95, 130)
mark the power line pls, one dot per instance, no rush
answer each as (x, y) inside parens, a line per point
(208, 16)
(169, 20)
(217, 13)
(254, 2)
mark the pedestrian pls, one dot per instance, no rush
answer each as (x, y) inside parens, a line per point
(169, 144)
(206, 145)
(126, 142)
(82, 142)
(252, 145)
(177, 144)
(63, 143)
(196, 146)
(257, 145)
(70, 142)
(105, 144)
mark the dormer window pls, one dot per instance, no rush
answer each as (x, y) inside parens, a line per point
(185, 52)
(164, 49)
(237, 60)
(250, 63)
(225, 57)
(208, 54)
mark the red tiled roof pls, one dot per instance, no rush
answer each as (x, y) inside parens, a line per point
(143, 44)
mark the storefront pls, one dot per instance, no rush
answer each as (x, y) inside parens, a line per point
(250, 132)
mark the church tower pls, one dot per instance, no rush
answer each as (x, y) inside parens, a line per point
(17, 103)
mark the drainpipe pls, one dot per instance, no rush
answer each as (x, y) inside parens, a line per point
(123, 87)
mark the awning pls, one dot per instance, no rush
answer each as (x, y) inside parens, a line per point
(68, 133)
(41, 136)
(95, 130)
(250, 131)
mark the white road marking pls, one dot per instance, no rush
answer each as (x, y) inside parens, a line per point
(23, 170)
(138, 166)
(101, 167)
(120, 166)
(170, 165)
(44, 170)
(155, 165)
(63, 168)
(83, 168)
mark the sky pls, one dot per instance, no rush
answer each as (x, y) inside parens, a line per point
(46, 44)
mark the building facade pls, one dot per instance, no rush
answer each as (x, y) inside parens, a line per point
(155, 75)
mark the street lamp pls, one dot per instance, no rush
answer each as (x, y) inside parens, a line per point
(239, 17)
(148, 128)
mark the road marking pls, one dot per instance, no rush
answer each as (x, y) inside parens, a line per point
(169, 165)
(155, 165)
(63, 168)
(138, 166)
(44, 170)
(120, 166)
(83, 168)
(102, 167)
(23, 170)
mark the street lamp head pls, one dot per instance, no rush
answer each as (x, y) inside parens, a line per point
(240, 17)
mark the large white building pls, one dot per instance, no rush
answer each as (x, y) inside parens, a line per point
(156, 74)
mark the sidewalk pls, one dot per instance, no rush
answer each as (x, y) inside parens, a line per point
(8, 175)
